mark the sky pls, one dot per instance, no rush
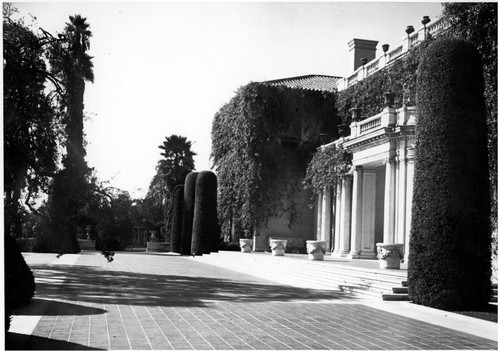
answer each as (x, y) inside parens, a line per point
(164, 68)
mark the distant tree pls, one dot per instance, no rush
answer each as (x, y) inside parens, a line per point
(171, 171)
(31, 123)
(178, 160)
(72, 66)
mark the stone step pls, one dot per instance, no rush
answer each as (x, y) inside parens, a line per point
(308, 274)
(400, 290)
(395, 297)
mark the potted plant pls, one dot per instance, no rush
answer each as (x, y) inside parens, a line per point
(390, 255)
(278, 246)
(316, 249)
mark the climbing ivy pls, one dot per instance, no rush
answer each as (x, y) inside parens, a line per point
(262, 140)
(368, 95)
(327, 167)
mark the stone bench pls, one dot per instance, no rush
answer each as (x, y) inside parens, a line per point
(293, 245)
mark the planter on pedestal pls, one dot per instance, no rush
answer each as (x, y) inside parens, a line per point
(390, 255)
(278, 246)
(246, 245)
(316, 249)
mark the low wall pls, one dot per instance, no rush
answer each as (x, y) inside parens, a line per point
(86, 244)
(158, 247)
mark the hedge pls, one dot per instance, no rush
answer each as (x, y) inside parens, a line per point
(188, 213)
(176, 232)
(205, 224)
(449, 258)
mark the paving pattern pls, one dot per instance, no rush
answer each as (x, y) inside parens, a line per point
(144, 302)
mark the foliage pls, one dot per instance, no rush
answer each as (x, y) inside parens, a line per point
(368, 95)
(477, 22)
(115, 223)
(327, 167)
(188, 213)
(449, 260)
(31, 122)
(170, 171)
(19, 280)
(176, 232)
(262, 140)
(205, 223)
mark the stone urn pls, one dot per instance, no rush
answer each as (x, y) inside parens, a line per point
(278, 246)
(246, 245)
(390, 256)
(316, 249)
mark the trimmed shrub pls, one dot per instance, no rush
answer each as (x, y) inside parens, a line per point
(188, 213)
(176, 232)
(449, 259)
(205, 224)
(19, 280)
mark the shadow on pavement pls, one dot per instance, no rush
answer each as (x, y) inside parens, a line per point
(39, 306)
(14, 341)
(103, 286)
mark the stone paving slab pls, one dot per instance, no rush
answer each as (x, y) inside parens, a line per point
(142, 301)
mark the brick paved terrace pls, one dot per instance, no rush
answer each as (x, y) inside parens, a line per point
(145, 301)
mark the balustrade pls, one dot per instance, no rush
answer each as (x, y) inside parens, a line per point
(378, 63)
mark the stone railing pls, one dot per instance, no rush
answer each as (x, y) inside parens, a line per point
(433, 28)
(389, 117)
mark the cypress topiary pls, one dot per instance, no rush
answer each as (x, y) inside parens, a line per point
(176, 232)
(19, 280)
(188, 213)
(205, 223)
(449, 258)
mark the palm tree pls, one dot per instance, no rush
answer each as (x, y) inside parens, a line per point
(72, 67)
(178, 160)
(78, 69)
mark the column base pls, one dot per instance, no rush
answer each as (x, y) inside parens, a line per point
(368, 255)
(340, 254)
(354, 255)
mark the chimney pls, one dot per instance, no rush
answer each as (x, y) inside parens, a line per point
(361, 48)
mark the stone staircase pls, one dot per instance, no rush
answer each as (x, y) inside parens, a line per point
(361, 277)
(401, 293)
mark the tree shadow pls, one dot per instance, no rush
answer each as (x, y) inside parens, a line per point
(101, 286)
(46, 307)
(14, 341)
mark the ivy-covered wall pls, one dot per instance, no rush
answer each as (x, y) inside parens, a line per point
(262, 141)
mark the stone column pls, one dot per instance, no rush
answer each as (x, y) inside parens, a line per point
(389, 200)
(410, 172)
(345, 216)
(401, 198)
(326, 217)
(369, 209)
(357, 215)
(319, 215)
(338, 210)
